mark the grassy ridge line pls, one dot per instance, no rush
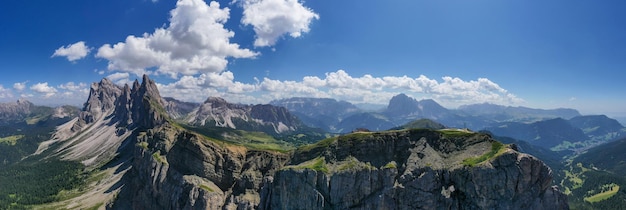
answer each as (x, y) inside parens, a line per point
(603, 195)
(497, 148)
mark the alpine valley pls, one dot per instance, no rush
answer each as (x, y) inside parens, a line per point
(130, 148)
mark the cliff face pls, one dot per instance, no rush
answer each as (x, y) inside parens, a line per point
(175, 169)
(413, 169)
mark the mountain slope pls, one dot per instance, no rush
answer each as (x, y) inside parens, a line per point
(547, 134)
(109, 117)
(24, 125)
(520, 114)
(267, 118)
(609, 157)
(599, 127)
(596, 179)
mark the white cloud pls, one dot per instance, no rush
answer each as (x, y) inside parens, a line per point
(449, 91)
(73, 52)
(44, 89)
(71, 86)
(119, 78)
(271, 19)
(19, 86)
(194, 42)
(5, 93)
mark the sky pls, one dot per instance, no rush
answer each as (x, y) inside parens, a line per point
(540, 54)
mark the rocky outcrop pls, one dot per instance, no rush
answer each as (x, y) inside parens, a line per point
(111, 115)
(414, 169)
(175, 169)
(218, 112)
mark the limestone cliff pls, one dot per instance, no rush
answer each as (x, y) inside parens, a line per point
(412, 169)
(409, 169)
(176, 169)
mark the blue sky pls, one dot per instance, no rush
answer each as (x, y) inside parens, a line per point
(520, 53)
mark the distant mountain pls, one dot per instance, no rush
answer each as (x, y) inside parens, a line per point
(403, 109)
(24, 125)
(578, 133)
(402, 105)
(599, 126)
(322, 113)
(368, 120)
(266, 118)
(547, 133)
(215, 113)
(501, 113)
(24, 111)
(421, 123)
(178, 109)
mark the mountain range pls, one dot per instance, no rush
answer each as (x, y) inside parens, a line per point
(128, 148)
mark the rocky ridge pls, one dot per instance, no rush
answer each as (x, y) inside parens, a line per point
(411, 169)
(218, 112)
(109, 117)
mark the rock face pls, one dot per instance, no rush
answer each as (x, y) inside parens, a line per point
(19, 109)
(413, 169)
(175, 169)
(110, 116)
(404, 106)
(267, 118)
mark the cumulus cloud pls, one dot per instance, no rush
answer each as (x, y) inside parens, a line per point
(19, 86)
(71, 86)
(74, 90)
(119, 78)
(72, 52)
(271, 19)
(195, 42)
(44, 89)
(5, 93)
(340, 85)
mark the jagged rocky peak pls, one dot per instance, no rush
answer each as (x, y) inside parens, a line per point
(216, 111)
(102, 98)
(147, 88)
(402, 104)
(216, 101)
(124, 104)
(21, 106)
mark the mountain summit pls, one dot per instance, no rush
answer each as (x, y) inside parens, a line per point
(108, 117)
